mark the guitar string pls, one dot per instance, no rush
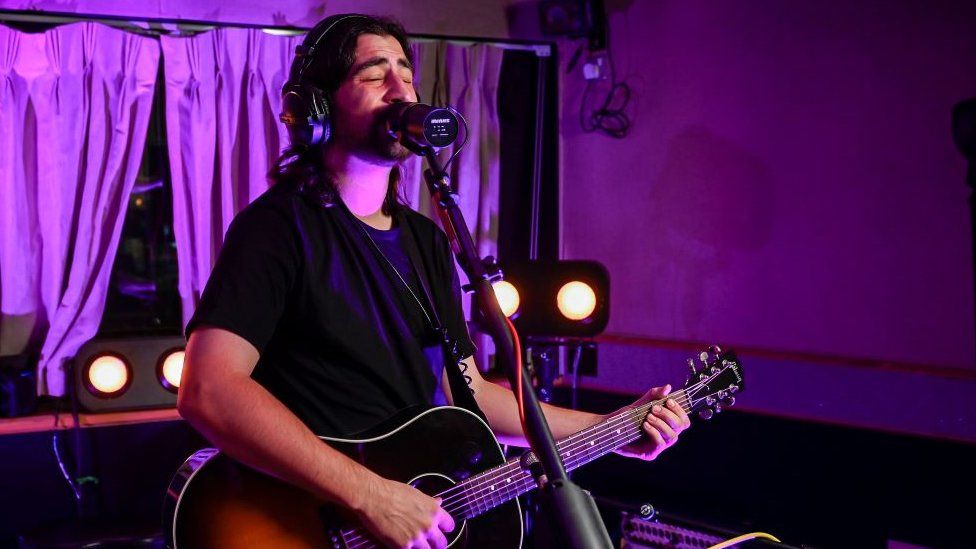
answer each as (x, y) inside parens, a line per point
(355, 541)
(487, 501)
(472, 491)
(484, 503)
(481, 484)
(493, 497)
(523, 485)
(570, 443)
(476, 487)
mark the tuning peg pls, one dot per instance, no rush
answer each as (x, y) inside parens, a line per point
(728, 401)
(722, 394)
(733, 388)
(706, 414)
(718, 407)
(691, 366)
(710, 400)
(715, 349)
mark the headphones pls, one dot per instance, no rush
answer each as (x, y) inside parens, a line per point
(305, 109)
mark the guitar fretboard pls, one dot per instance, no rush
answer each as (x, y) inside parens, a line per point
(489, 489)
(505, 482)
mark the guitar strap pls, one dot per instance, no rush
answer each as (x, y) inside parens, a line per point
(460, 391)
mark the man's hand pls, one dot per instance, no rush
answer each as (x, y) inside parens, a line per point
(662, 426)
(401, 516)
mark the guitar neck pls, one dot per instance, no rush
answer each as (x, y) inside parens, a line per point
(501, 484)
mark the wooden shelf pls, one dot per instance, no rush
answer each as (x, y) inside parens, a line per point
(41, 423)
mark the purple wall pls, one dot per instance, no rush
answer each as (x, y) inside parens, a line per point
(449, 17)
(790, 181)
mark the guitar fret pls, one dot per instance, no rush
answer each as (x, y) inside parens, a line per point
(505, 482)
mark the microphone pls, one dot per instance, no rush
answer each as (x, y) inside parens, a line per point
(419, 127)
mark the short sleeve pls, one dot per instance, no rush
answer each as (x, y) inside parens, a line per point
(252, 278)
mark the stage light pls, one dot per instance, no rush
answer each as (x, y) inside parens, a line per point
(107, 376)
(170, 369)
(128, 373)
(566, 298)
(576, 300)
(508, 297)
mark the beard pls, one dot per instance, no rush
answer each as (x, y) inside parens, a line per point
(373, 144)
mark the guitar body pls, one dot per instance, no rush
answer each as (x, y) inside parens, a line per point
(447, 452)
(214, 501)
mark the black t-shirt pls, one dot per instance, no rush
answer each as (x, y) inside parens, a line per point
(340, 345)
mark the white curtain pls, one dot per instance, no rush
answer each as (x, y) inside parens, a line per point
(465, 76)
(74, 109)
(223, 96)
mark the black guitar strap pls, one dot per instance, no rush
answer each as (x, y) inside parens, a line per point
(460, 391)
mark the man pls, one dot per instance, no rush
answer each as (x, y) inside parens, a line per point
(314, 321)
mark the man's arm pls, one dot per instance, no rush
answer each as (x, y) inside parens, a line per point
(218, 397)
(662, 425)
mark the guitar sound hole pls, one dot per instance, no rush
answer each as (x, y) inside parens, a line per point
(433, 484)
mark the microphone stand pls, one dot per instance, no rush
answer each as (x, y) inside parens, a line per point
(572, 511)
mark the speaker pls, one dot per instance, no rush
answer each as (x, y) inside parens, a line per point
(128, 373)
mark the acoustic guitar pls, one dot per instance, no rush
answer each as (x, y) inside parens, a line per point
(447, 452)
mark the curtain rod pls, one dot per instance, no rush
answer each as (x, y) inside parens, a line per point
(158, 26)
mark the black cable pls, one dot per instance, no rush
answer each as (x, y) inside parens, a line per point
(56, 446)
(611, 117)
(463, 141)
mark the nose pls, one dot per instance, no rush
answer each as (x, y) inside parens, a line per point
(399, 91)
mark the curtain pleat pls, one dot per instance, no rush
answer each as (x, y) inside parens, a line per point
(222, 103)
(223, 96)
(75, 102)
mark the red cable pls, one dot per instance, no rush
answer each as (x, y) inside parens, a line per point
(518, 364)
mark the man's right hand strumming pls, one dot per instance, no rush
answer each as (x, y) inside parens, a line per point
(399, 515)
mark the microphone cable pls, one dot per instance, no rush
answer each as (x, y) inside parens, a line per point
(464, 141)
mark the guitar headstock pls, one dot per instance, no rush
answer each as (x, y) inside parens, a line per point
(715, 377)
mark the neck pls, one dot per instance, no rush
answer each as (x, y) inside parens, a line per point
(362, 185)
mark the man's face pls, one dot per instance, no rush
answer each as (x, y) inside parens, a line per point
(380, 76)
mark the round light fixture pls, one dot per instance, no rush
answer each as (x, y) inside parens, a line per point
(508, 297)
(576, 300)
(170, 369)
(108, 376)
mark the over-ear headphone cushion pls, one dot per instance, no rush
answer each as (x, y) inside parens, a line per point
(305, 112)
(305, 109)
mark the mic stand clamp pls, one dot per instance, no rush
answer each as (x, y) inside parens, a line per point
(573, 514)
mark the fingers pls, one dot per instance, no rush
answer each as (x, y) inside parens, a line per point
(434, 536)
(673, 414)
(665, 423)
(656, 426)
(444, 520)
(658, 392)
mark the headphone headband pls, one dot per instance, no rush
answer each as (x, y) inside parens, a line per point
(305, 108)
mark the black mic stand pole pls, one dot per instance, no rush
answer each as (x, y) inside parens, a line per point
(573, 514)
